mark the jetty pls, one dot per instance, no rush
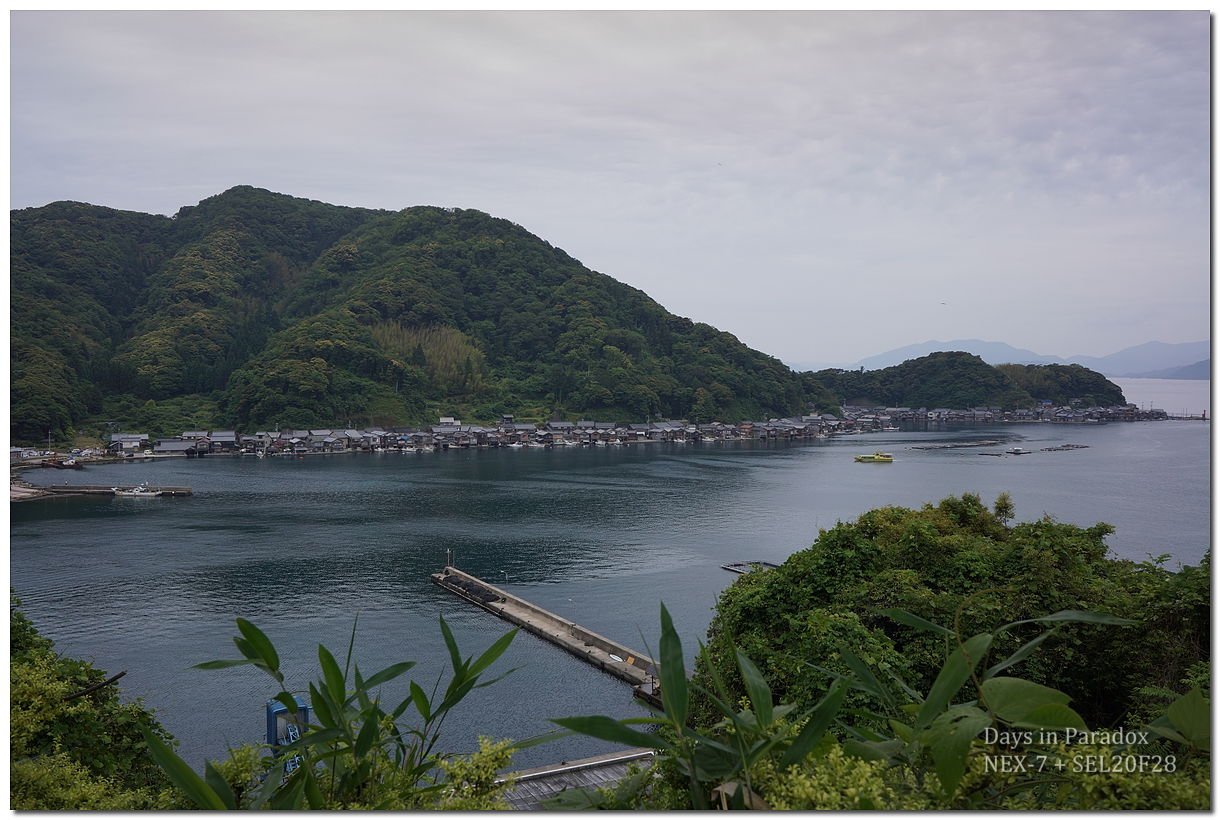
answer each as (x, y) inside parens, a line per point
(97, 489)
(610, 656)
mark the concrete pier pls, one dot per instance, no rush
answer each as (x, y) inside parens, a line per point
(634, 667)
(97, 489)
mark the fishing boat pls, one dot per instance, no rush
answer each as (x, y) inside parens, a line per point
(884, 458)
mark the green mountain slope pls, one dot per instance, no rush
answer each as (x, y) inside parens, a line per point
(284, 311)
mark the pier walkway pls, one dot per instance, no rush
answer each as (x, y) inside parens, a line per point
(44, 490)
(610, 656)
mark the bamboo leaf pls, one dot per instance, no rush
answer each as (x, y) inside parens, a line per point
(182, 775)
(261, 644)
(209, 665)
(1021, 654)
(674, 694)
(823, 714)
(331, 676)
(219, 785)
(912, 620)
(368, 735)
(493, 653)
(387, 674)
(756, 685)
(451, 644)
(605, 728)
(956, 670)
(420, 699)
(866, 677)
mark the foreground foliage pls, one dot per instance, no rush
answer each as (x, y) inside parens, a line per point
(977, 738)
(73, 746)
(357, 753)
(959, 563)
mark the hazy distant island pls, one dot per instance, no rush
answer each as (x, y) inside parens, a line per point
(260, 310)
(1150, 360)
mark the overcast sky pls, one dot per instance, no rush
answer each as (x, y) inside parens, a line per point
(826, 186)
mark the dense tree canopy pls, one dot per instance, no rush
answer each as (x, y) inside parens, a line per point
(959, 563)
(963, 380)
(283, 310)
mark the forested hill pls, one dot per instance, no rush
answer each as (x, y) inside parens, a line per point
(276, 311)
(962, 380)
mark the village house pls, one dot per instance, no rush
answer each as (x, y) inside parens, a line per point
(127, 443)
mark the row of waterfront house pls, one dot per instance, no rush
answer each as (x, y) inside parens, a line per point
(450, 432)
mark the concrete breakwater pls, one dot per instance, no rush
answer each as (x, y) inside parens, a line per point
(25, 492)
(609, 656)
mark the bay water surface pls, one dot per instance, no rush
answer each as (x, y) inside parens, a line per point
(309, 548)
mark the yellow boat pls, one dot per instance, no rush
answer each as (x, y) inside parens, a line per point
(881, 457)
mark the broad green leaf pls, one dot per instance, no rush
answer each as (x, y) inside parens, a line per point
(912, 620)
(182, 775)
(756, 685)
(1051, 716)
(605, 728)
(1164, 728)
(1014, 698)
(674, 694)
(1191, 716)
(261, 643)
(949, 738)
(823, 714)
(956, 670)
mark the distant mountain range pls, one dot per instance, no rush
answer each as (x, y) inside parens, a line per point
(1151, 360)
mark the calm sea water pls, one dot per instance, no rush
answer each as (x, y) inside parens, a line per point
(304, 547)
(1178, 397)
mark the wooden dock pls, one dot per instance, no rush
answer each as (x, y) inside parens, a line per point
(609, 656)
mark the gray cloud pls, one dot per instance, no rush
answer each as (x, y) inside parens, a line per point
(789, 177)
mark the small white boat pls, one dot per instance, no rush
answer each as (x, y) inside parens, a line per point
(140, 491)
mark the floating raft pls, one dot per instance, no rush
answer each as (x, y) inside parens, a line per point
(956, 445)
(742, 567)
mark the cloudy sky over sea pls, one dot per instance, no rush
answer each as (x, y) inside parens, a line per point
(824, 185)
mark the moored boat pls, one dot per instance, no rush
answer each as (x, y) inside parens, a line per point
(139, 491)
